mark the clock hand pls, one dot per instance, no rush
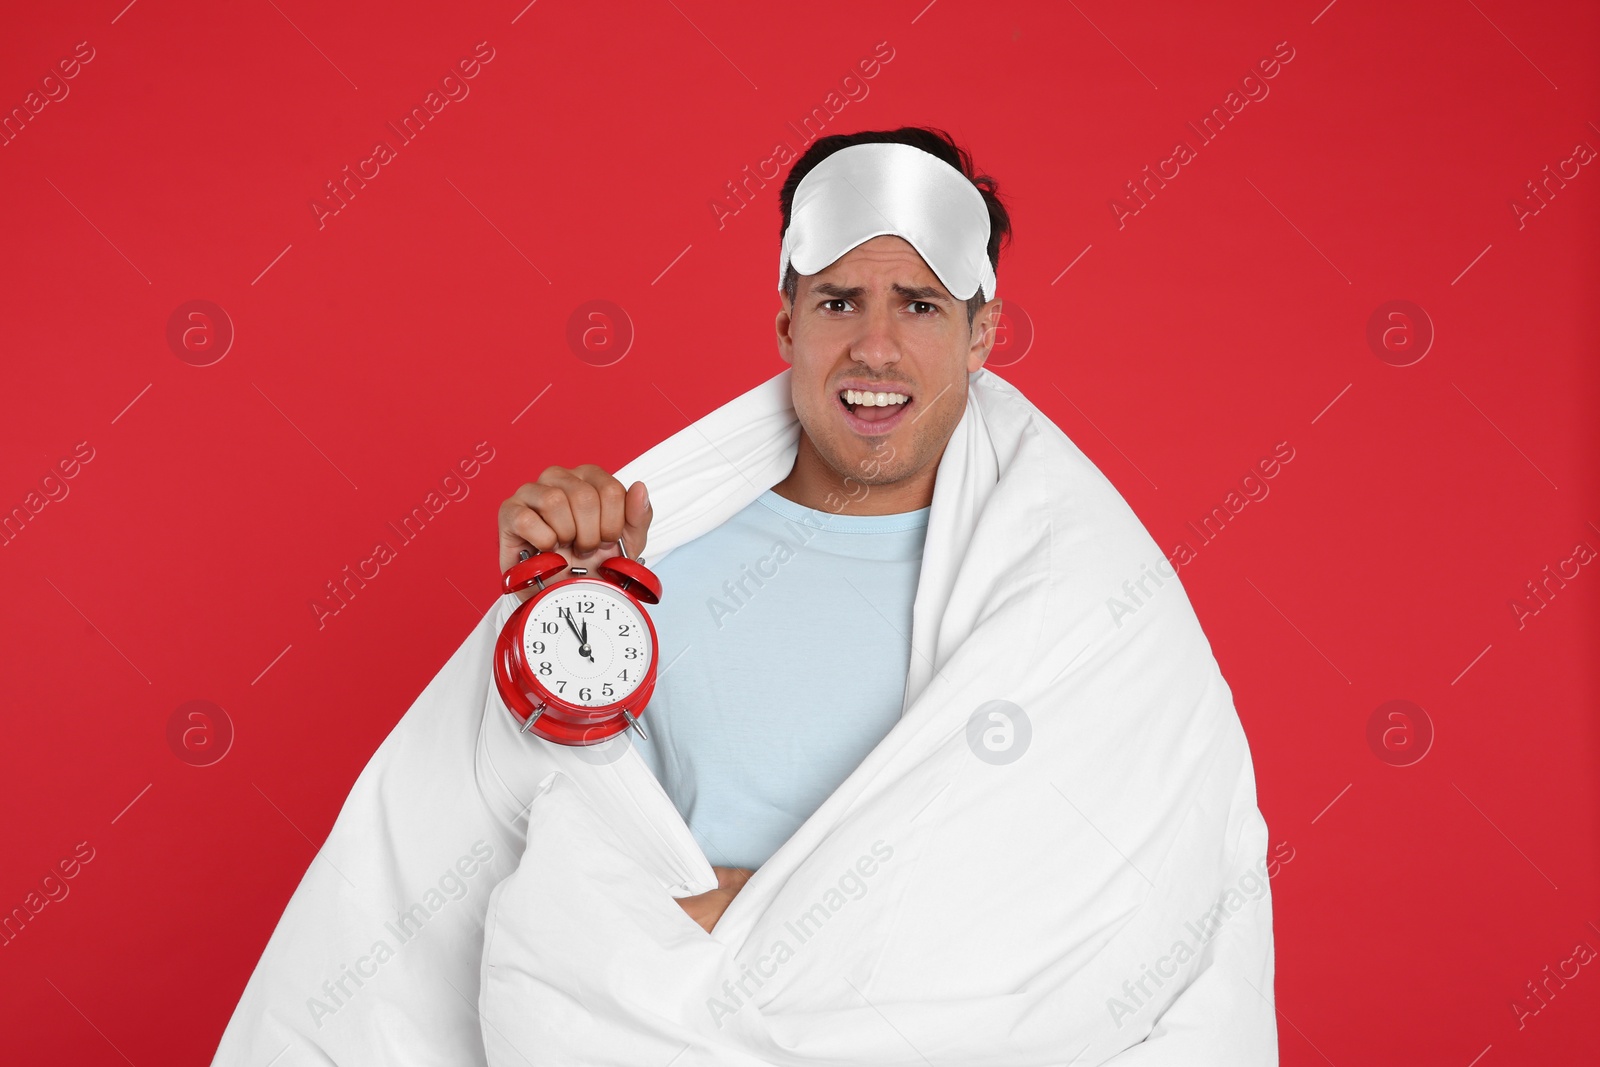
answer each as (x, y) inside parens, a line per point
(583, 646)
(583, 638)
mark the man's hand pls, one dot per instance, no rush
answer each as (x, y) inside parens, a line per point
(578, 513)
(707, 908)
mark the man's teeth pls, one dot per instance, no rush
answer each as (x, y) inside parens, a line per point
(879, 400)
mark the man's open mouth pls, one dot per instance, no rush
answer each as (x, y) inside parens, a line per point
(874, 411)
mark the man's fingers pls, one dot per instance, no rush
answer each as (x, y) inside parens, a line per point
(579, 513)
(551, 505)
(520, 526)
(583, 504)
(527, 526)
(610, 496)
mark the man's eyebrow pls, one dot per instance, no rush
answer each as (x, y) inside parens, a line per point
(906, 292)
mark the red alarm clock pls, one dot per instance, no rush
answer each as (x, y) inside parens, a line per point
(576, 662)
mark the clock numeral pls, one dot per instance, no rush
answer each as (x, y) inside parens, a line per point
(586, 607)
(544, 668)
(584, 694)
(608, 613)
(622, 630)
(550, 628)
(630, 653)
(624, 675)
(561, 685)
(538, 648)
(605, 690)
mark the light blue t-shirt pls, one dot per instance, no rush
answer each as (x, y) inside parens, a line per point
(784, 644)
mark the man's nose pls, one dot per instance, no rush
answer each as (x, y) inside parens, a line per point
(878, 344)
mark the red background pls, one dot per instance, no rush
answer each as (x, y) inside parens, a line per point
(372, 352)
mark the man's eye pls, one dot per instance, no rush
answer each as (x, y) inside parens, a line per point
(924, 303)
(835, 300)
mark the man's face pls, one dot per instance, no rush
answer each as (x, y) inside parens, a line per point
(878, 319)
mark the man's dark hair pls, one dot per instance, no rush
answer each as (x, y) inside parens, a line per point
(933, 141)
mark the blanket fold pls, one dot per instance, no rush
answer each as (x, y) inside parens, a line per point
(1054, 857)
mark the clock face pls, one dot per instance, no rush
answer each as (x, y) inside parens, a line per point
(588, 643)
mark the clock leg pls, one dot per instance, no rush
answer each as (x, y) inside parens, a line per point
(531, 720)
(633, 722)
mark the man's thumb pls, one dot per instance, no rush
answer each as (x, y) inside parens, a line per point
(636, 515)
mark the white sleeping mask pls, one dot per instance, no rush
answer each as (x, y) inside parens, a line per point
(867, 190)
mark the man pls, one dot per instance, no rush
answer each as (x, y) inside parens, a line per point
(746, 769)
(908, 795)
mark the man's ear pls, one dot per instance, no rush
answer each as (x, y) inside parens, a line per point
(985, 327)
(784, 324)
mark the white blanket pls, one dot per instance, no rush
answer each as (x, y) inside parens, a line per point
(1055, 857)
